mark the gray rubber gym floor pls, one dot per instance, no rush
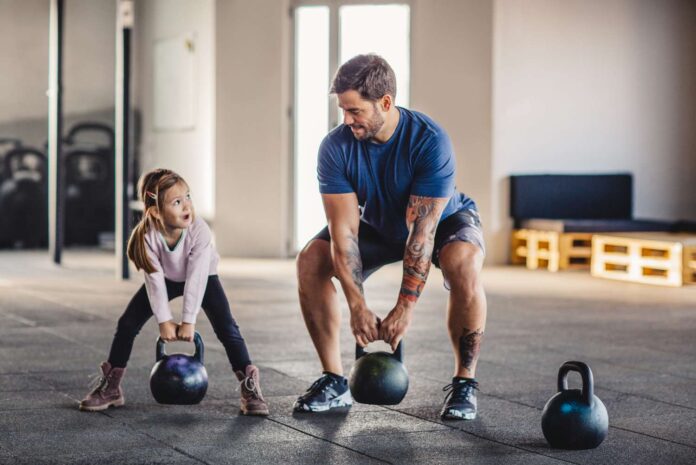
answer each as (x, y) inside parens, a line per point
(57, 325)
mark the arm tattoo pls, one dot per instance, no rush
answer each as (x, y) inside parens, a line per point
(354, 262)
(422, 216)
(469, 346)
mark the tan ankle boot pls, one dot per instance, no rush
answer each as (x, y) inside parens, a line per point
(253, 402)
(107, 392)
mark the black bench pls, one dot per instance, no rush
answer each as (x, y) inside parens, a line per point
(577, 203)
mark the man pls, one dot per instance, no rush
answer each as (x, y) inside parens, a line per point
(386, 176)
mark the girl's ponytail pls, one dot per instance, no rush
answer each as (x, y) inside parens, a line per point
(137, 250)
(151, 189)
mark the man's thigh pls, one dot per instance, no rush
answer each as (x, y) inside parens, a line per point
(462, 226)
(375, 252)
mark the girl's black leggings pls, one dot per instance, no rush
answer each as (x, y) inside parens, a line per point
(215, 306)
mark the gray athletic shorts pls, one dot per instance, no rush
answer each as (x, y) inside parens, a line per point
(375, 251)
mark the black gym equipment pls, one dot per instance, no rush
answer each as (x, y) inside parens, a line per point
(24, 199)
(379, 378)
(89, 184)
(179, 379)
(573, 418)
(7, 144)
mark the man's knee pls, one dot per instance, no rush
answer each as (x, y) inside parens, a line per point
(461, 264)
(314, 263)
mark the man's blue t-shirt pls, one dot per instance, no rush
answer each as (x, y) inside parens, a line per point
(416, 160)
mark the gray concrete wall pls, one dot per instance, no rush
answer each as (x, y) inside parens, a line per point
(451, 80)
(590, 86)
(190, 152)
(253, 160)
(88, 79)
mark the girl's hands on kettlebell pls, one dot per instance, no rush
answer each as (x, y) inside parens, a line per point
(168, 330)
(185, 332)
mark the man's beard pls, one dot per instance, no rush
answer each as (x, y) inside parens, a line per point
(371, 128)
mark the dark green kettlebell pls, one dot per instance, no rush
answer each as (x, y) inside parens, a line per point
(379, 378)
(575, 419)
(179, 379)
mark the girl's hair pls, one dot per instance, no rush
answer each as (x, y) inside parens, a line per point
(151, 189)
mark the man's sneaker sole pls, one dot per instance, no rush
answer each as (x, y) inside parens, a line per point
(457, 415)
(345, 400)
(98, 408)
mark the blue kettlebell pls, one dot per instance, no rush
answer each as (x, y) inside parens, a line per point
(179, 379)
(378, 378)
(573, 418)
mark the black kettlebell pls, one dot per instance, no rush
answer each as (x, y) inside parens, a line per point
(179, 379)
(379, 378)
(575, 419)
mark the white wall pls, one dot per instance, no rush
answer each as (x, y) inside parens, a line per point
(189, 152)
(596, 86)
(253, 151)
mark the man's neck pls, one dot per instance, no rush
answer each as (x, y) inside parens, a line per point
(390, 124)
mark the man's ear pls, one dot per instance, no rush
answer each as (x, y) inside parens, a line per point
(386, 102)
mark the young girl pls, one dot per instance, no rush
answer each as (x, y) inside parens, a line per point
(175, 251)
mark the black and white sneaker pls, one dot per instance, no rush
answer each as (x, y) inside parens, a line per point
(460, 402)
(328, 392)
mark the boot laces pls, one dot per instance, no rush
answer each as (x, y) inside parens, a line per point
(461, 390)
(98, 383)
(250, 386)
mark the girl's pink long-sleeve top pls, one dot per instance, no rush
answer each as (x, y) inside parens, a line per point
(192, 260)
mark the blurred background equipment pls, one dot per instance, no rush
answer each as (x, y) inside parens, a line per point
(23, 198)
(89, 184)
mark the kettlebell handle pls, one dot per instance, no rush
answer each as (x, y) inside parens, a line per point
(398, 353)
(19, 152)
(197, 342)
(585, 373)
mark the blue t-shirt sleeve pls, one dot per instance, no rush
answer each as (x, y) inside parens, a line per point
(434, 168)
(331, 169)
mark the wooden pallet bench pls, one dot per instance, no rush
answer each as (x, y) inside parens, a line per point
(652, 258)
(551, 250)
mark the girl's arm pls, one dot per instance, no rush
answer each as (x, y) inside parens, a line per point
(157, 289)
(158, 297)
(197, 270)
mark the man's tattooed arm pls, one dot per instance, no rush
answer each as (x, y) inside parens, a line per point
(422, 217)
(343, 217)
(354, 263)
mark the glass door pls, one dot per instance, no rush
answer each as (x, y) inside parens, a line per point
(327, 35)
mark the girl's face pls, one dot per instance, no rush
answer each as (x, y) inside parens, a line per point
(177, 208)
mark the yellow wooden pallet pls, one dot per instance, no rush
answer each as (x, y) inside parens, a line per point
(652, 258)
(551, 250)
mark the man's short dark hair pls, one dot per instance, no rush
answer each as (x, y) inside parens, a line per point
(370, 75)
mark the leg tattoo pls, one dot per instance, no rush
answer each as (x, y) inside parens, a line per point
(469, 346)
